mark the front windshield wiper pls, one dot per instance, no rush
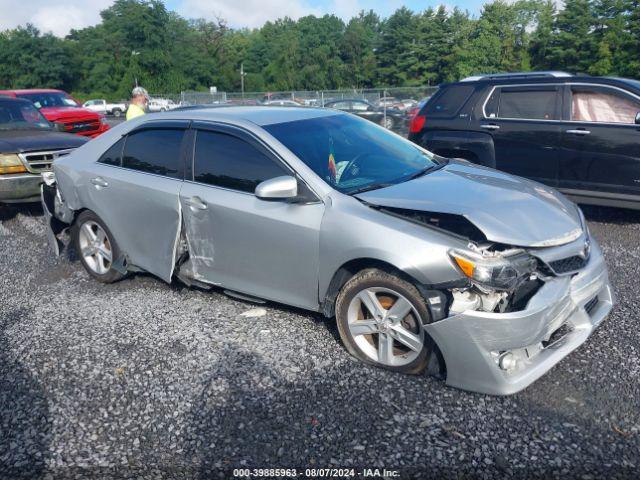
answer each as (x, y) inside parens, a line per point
(373, 186)
(426, 170)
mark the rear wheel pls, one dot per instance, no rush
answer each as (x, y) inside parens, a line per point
(117, 112)
(388, 122)
(380, 318)
(96, 247)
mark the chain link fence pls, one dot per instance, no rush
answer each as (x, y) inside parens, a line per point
(390, 107)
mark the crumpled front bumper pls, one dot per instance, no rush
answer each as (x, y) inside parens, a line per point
(557, 319)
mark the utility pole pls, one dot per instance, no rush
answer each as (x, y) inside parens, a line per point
(134, 55)
(242, 79)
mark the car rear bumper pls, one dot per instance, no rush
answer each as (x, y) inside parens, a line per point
(21, 187)
(556, 321)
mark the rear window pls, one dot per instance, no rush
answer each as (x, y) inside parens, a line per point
(154, 151)
(449, 100)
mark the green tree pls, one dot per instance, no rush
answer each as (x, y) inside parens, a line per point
(396, 51)
(30, 59)
(573, 47)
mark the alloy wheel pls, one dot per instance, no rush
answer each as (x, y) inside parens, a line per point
(95, 247)
(385, 326)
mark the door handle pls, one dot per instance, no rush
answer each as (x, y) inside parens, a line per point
(579, 132)
(490, 126)
(99, 182)
(196, 203)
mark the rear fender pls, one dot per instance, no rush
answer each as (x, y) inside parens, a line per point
(476, 147)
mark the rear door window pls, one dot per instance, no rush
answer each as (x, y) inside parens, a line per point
(602, 104)
(531, 104)
(227, 161)
(155, 151)
(449, 100)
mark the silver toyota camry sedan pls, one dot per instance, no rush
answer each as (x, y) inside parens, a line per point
(427, 263)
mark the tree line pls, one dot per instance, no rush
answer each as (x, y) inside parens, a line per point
(142, 40)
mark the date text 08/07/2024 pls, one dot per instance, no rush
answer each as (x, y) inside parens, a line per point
(314, 473)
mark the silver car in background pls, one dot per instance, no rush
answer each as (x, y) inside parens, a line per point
(427, 263)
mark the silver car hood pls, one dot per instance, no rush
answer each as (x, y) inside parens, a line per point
(507, 209)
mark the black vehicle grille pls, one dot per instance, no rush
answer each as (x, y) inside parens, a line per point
(78, 127)
(569, 264)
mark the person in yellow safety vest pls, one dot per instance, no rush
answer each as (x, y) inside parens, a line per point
(139, 101)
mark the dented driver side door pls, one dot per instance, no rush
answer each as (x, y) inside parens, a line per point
(268, 249)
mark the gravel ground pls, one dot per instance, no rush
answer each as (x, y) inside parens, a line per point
(146, 380)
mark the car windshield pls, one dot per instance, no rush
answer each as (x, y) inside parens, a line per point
(351, 154)
(49, 99)
(21, 116)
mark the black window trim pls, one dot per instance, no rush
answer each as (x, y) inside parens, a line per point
(563, 85)
(244, 135)
(157, 125)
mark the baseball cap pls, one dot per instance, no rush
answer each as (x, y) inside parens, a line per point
(139, 91)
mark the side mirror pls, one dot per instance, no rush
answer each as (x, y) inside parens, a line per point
(279, 188)
(638, 118)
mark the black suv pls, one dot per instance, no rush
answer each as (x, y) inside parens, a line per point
(580, 134)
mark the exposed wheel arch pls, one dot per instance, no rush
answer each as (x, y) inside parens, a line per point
(346, 271)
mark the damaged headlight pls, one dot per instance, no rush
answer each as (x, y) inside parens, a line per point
(495, 270)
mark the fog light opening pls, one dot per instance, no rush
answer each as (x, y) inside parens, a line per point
(507, 361)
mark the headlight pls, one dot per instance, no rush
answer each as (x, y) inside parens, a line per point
(103, 120)
(11, 163)
(502, 272)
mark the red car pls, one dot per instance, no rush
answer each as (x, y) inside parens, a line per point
(59, 107)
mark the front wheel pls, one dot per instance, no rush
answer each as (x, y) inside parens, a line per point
(96, 247)
(380, 318)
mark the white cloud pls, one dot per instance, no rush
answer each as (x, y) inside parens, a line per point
(57, 17)
(254, 13)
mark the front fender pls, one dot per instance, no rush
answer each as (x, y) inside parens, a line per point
(351, 231)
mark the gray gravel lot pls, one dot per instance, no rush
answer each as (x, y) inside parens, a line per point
(146, 380)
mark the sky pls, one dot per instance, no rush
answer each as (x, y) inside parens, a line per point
(59, 16)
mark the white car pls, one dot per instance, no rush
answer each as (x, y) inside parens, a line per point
(101, 106)
(161, 105)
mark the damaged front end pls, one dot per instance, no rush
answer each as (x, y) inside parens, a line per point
(518, 310)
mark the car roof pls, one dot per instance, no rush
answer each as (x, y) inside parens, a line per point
(35, 90)
(524, 79)
(259, 115)
(346, 100)
(5, 98)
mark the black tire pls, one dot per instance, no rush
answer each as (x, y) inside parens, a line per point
(375, 278)
(117, 112)
(88, 217)
(388, 123)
